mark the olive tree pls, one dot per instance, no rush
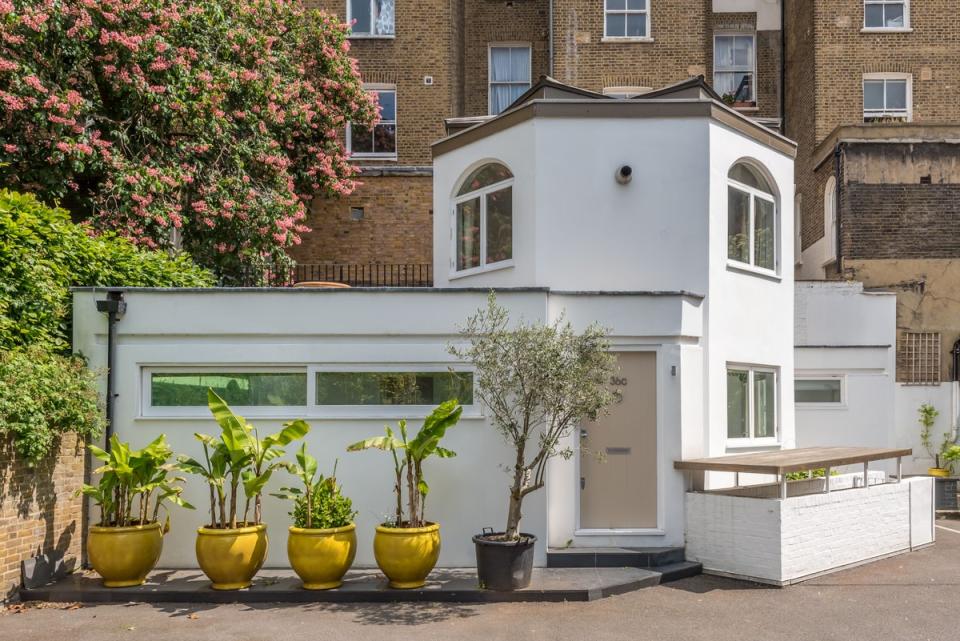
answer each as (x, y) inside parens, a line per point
(538, 381)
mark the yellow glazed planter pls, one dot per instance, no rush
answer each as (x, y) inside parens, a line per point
(321, 557)
(938, 471)
(231, 558)
(407, 555)
(124, 556)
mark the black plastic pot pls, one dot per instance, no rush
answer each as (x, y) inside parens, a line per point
(504, 565)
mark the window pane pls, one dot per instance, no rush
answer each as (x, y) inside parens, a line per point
(873, 95)
(519, 65)
(873, 15)
(723, 52)
(893, 16)
(820, 391)
(393, 388)
(361, 140)
(500, 225)
(616, 24)
(737, 400)
(764, 239)
(487, 175)
(385, 139)
(360, 14)
(743, 52)
(388, 104)
(637, 5)
(897, 95)
(189, 389)
(744, 173)
(637, 25)
(765, 405)
(616, 5)
(725, 83)
(383, 22)
(743, 86)
(468, 234)
(738, 230)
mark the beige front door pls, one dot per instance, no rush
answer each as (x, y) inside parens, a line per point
(618, 452)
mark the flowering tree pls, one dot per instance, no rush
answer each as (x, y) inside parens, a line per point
(205, 125)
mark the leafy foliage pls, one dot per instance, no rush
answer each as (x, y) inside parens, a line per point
(320, 505)
(43, 395)
(538, 383)
(203, 123)
(409, 455)
(130, 479)
(43, 254)
(238, 458)
(927, 417)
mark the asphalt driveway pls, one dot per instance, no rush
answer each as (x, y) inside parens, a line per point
(910, 597)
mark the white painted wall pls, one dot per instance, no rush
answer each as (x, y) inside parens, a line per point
(782, 541)
(842, 331)
(906, 428)
(768, 11)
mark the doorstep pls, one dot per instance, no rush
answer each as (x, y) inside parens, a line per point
(360, 586)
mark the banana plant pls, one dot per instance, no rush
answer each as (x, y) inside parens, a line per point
(134, 484)
(319, 504)
(409, 455)
(239, 458)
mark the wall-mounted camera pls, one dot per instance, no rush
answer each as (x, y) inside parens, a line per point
(624, 174)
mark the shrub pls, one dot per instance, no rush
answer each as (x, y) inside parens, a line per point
(43, 254)
(206, 123)
(43, 395)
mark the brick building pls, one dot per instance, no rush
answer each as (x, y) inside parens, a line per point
(436, 60)
(870, 97)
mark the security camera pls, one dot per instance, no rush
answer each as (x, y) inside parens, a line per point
(624, 174)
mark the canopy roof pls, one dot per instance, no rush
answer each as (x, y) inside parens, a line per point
(796, 460)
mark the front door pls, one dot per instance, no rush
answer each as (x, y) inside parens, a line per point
(618, 452)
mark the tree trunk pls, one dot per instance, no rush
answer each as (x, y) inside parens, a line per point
(412, 495)
(233, 505)
(516, 497)
(309, 508)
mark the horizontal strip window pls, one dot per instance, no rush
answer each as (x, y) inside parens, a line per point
(818, 390)
(239, 389)
(393, 388)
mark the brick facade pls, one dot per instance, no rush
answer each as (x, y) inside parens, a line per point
(39, 512)
(449, 40)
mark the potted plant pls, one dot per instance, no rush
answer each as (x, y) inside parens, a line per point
(538, 382)
(322, 542)
(134, 485)
(927, 417)
(231, 549)
(407, 548)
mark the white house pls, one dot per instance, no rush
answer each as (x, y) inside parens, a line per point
(667, 218)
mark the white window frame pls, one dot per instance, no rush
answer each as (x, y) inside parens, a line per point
(814, 376)
(906, 17)
(751, 441)
(830, 219)
(626, 92)
(311, 409)
(646, 13)
(907, 114)
(490, 83)
(367, 35)
(482, 195)
(378, 88)
(751, 266)
(753, 64)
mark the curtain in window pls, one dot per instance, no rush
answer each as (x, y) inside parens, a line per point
(384, 25)
(509, 76)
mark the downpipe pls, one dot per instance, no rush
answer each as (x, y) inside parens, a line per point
(115, 307)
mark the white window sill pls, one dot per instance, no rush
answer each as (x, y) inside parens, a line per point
(344, 413)
(392, 157)
(820, 406)
(887, 30)
(494, 267)
(370, 36)
(620, 532)
(627, 39)
(744, 268)
(753, 443)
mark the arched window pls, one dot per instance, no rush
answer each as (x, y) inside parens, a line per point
(483, 219)
(830, 217)
(751, 218)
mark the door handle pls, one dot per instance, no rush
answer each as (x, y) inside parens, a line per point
(583, 433)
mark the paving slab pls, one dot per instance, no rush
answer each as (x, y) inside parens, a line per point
(360, 586)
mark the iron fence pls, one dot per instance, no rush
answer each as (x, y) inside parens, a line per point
(355, 275)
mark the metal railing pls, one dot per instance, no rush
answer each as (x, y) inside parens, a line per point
(355, 275)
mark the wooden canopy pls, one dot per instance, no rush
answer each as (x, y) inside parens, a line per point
(796, 460)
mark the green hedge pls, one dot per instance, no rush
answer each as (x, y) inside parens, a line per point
(43, 395)
(43, 254)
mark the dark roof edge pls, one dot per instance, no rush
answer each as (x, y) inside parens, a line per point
(403, 290)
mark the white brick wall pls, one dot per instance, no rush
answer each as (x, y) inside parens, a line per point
(783, 541)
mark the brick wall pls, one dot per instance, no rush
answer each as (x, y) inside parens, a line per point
(39, 512)
(397, 224)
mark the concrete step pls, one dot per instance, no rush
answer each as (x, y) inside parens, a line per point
(676, 571)
(583, 557)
